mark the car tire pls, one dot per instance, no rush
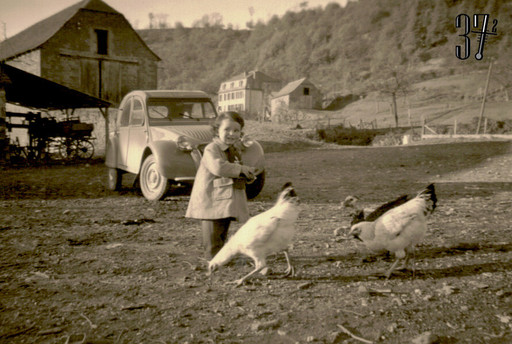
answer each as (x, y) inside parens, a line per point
(153, 185)
(252, 190)
(115, 179)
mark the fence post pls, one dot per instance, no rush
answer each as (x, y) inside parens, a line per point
(485, 125)
(455, 126)
(422, 126)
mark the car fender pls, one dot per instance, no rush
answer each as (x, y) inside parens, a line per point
(172, 162)
(254, 156)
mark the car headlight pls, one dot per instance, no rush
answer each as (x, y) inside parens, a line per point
(247, 141)
(184, 144)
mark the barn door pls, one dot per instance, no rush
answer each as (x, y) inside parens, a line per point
(89, 77)
(111, 81)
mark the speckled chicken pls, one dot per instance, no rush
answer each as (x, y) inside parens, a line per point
(269, 232)
(361, 214)
(399, 229)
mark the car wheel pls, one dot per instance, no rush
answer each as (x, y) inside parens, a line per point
(115, 179)
(252, 190)
(153, 185)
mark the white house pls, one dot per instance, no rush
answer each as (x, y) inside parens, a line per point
(247, 92)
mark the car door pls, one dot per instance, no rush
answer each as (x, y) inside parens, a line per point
(123, 133)
(138, 135)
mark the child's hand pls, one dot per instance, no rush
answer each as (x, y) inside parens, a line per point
(249, 172)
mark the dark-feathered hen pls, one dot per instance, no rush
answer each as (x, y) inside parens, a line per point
(360, 214)
(399, 229)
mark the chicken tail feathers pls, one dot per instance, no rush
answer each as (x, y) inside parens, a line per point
(429, 195)
(374, 215)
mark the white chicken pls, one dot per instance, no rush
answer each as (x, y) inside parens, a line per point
(399, 229)
(264, 234)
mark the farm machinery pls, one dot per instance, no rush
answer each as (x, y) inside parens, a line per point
(47, 139)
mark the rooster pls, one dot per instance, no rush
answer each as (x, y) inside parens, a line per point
(399, 229)
(264, 234)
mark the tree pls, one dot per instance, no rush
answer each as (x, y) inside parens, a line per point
(395, 80)
(210, 20)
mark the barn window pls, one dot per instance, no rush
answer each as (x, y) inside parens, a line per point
(102, 40)
(306, 91)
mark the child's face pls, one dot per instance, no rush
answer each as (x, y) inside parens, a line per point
(229, 131)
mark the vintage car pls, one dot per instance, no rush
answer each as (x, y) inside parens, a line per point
(160, 136)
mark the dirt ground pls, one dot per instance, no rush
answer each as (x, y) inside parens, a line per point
(81, 264)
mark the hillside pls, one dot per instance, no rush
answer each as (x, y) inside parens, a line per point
(359, 49)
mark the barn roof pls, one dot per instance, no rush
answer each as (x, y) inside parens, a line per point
(31, 91)
(39, 33)
(290, 87)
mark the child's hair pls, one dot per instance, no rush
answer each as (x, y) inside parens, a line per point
(232, 115)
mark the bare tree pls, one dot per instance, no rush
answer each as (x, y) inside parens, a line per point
(161, 19)
(210, 20)
(151, 20)
(393, 81)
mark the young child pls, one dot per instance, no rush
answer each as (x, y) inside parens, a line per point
(218, 195)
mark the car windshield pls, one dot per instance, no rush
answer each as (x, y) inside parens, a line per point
(174, 111)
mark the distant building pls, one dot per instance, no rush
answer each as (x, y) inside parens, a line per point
(298, 94)
(89, 47)
(247, 92)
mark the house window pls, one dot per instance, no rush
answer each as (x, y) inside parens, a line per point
(102, 41)
(241, 83)
(232, 84)
(306, 91)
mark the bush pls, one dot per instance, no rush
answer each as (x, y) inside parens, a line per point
(388, 139)
(349, 136)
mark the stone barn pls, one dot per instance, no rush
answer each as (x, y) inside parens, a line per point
(89, 47)
(297, 95)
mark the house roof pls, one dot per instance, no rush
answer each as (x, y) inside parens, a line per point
(31, 91)
(255, 74)
(39, 33)
(290, 87)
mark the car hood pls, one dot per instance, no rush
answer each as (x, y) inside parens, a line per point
(198, 133)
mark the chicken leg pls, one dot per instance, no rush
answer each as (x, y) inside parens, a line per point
(399, 256)
(259, 265)
(290, 270)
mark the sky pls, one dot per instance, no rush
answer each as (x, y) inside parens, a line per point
(17, 15)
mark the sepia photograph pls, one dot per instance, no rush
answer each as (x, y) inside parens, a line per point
(319, 171)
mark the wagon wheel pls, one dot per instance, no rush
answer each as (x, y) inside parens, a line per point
(67, 149)
(84, 149)
(53, 150)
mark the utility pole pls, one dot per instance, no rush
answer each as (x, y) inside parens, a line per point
(483, 100)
